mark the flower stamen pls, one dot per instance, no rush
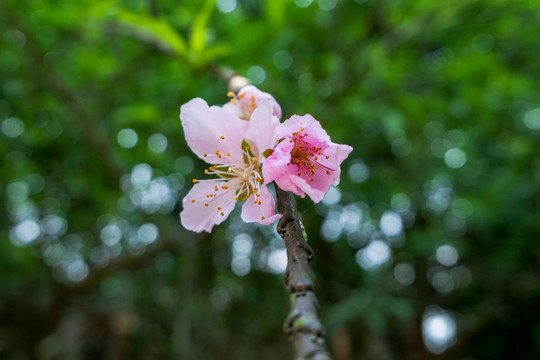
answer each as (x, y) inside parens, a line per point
(306, 156)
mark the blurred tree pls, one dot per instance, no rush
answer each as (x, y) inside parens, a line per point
(427, 249)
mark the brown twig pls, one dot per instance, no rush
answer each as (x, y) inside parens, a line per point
(303, 326)
(234, 81)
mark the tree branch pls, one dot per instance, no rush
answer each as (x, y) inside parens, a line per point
(303, 326)
(234, 81)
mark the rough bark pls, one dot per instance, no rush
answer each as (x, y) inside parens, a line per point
(303, 326)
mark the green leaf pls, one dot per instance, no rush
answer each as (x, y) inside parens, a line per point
(151, 30)
(213, 53)
(275, 11)
(155, 31)
(197, 41)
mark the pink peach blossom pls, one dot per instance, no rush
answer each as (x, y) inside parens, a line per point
(246, 101)
(305, 161)
(216, 136)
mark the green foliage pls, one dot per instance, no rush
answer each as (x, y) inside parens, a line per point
(439, 100)
(200, 27)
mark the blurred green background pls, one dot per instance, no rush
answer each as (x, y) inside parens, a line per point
(427, 249)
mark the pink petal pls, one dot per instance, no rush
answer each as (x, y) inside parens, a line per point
(342, 152)
(278, 163)
(317, 188)
(250, 90)
(230, 107)
(264, 213)
(322, 181)
(292, 183)
(291, 177)
(208, 129)
(261, 133)
(198, 217)
(307, 122)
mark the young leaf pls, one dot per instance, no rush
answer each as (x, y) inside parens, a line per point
(151, 30)
(212, 53)
(199, 29)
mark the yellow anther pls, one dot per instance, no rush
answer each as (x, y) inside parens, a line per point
(246, 148)
(219, 207)
(327, 157)
(236, 198)
(222, 137)
(193, 200)
(228, 154)
(206, 171)
(225, 187)
(205, 204)
(222, 214)
(205, 154)
(262, 218)
(255, 201)
(233, 100)
(259, 202)
(311, 179)
(230, 94)
(194, 181)
(241, 96)
(327, 172)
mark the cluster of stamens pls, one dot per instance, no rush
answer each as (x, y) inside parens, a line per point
(245, 106)
(244, 179)
(306, 156)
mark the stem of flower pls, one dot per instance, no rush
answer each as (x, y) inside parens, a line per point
(303, 326)
(305, 331)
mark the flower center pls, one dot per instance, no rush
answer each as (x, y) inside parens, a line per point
(244, 107)
(244, 179)
(306, 156)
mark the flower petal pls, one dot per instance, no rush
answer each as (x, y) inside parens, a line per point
(205, 212)
(262, 213)
(322, 181)
(261, 133)
(307, 122)
(210, 129)
(248, 91)
(341, 153)
(306, 161)
(292, 183)
(278, 163)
